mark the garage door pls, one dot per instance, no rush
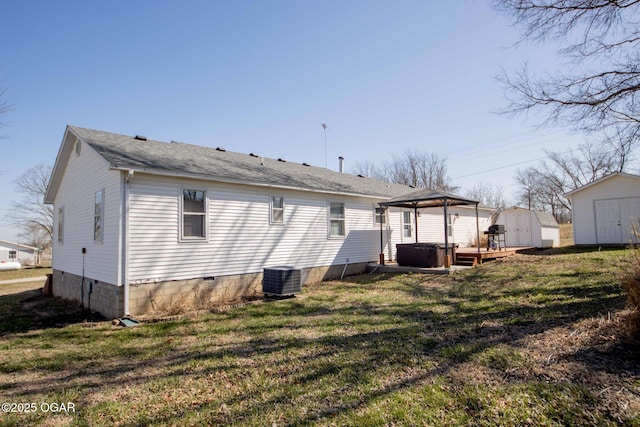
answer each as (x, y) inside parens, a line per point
(615, 219)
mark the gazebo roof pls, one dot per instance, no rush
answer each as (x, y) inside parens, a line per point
(427, 199)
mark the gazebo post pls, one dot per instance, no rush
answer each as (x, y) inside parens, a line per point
(446, 234)
(477, 229)
(381, 236)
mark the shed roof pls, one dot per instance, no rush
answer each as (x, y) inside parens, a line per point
(124, 152)
(598, 181)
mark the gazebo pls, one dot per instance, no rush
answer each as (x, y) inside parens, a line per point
(429, 199)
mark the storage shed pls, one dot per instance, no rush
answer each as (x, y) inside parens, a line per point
(604, 211)
(525, 227)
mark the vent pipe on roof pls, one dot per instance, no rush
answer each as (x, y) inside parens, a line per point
(140, 137)
(341, 164)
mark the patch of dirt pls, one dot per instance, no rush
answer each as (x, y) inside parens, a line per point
(51, 312)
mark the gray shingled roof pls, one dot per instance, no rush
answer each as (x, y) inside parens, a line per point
(180, 159)
(546, 219)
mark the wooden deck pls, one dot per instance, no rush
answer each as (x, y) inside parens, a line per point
(489, 253)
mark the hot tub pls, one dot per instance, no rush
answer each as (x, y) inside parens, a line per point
(424, 254)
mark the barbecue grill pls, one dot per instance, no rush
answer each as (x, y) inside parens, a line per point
(495, 236)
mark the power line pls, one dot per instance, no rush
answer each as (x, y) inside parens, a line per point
(509, 165)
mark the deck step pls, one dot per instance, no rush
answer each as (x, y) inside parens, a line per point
(468, 261)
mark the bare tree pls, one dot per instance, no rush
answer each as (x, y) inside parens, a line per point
(413, 167)
(542, 187)
(602, 54)
(488, 194)
(30, 214)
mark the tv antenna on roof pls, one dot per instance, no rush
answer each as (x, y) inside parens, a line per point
(324, 128)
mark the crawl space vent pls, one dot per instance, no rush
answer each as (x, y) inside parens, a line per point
(282, 281)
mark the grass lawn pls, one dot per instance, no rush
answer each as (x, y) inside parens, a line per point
(529, 340)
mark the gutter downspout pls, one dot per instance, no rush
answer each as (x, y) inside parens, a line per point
(415, 217)
(125, 241)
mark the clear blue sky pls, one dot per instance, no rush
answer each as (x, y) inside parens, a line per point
(261, 76)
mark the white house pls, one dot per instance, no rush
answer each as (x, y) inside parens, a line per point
(526, 227)
(16, 252)
(605, 211)
(143, 226)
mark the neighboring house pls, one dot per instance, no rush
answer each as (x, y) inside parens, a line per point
(143, 226)
(526, 227)
(605, 211)
(25, 255)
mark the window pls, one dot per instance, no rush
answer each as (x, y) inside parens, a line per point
(98, 218)
(381, 216)
(336, 219)
(277, 210)
(406, 224)
(13, 255)
(449, 225)
(61, 225)
(194, 214)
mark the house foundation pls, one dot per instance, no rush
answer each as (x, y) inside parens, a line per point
(178, 296)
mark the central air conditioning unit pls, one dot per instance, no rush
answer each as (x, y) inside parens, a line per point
(282, 281)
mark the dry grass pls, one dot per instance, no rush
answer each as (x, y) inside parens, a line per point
(566, 235)
(537, 339)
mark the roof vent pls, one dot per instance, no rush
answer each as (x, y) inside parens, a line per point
(140, 137)
(306, 164)
(253, 154)
(361, 176)
(282, 160)
(220, 149)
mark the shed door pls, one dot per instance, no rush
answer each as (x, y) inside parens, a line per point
(615, 219)
(517, 228)
(630, 218)
(608, 224)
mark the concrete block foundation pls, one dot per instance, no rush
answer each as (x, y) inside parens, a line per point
(177, 296)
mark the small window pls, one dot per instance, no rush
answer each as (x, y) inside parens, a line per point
(13, 255)
(407, 227)
(449, 225)
(98, 218)
(78, 148)
(61, 225)
(277, 210)
(336, 219)
(194, 214)
(381, 216)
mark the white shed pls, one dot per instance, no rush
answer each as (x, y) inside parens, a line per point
(604, 211)
(525, 227)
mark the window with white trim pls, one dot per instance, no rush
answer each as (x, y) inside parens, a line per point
(98, 217)
(336, 219)
(277, 210)
(407, 227)
(194, 214)
(380, 215)
(61, 224)
(450, 225)
(13, 255)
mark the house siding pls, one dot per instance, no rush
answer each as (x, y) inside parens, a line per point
(84, 176)
(583, 205)
(241, 239)
(431, 225)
